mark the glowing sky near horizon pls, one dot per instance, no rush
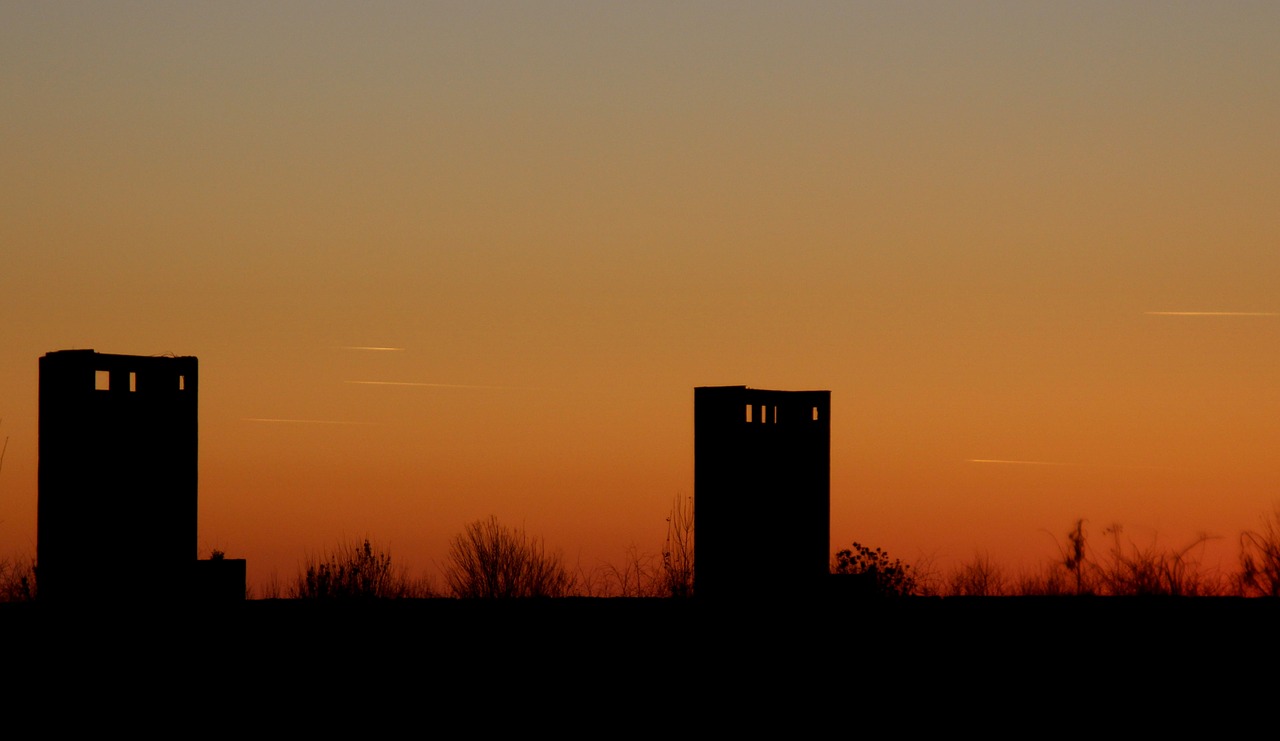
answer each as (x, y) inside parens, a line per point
(446, 260)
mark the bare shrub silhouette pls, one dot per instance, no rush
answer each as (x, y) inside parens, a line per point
(489, 560)
(639, 575)
(980, 577)
(887, 578)
(17, 575)
(677, 551)
(929, 579)
(17, 579)
(644, 574)
(352, 572)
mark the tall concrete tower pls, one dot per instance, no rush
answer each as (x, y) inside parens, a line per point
(117, 475)
(762, 491)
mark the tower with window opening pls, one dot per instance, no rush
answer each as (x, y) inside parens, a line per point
(118, 450)
(762, 491)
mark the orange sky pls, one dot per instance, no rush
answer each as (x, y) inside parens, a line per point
(956, 217)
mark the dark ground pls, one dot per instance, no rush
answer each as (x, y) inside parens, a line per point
(1054, 629)
(925, 661)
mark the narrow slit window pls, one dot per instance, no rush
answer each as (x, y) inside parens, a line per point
(182, 383)
(102, 380)
(775, 415)
(764, 416)
(133, 381)
(815, 414)
(748, 413)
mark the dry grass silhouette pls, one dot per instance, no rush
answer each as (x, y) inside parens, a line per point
(1124, 569)
(353, 572)
(1260, 558)
(1049, 580)
(1132, 570)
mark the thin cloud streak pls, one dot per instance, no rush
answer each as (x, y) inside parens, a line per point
(445, 385)
(368, 348)
(1063, 464)
(1212, 313)
(305, 421)
(1021, 463)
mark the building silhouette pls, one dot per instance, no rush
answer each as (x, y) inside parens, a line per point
(117, 512)
(762, 491)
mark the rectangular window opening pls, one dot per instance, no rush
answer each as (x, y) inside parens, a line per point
(182, 383)
(763, 415)
(133, 381)
(815, 414)
(748, 413)
(102, 380)
(775, 415)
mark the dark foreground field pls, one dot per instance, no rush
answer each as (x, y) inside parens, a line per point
(1065, 635)
(590, 667)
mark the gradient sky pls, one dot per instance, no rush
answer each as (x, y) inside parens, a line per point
(961, 218)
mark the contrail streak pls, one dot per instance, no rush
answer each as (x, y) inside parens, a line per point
(1020, 463)
(1212, 313)
(1066, 465)
(366, 347)
(445, 385)
(305, 421)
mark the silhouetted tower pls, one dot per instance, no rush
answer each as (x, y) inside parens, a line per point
(117, 477)
(762, 491)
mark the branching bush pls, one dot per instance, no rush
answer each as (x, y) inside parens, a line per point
(352, 572)
(887, 578)
(489, 560)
